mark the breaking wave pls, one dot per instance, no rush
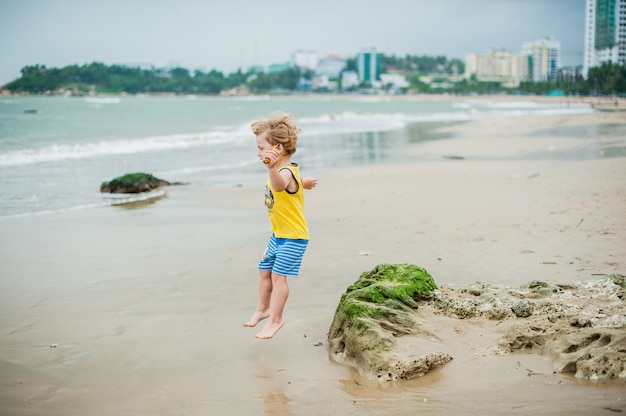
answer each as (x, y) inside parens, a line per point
(343, 122)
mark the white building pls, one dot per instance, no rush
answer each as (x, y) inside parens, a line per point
(305, 60)
(605, 33)
(501, 66)
(589, 60)
(349, 79)
(545, 58)
(331, 66)
(395, 81)
(322, 83)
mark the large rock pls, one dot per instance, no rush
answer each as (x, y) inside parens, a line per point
(394, 323)
(580, 326)
(373, 313)
(133, 183)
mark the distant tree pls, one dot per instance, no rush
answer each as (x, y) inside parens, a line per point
(211, 83)
(607, 79)
(416, 85)
(351, 65)
(34, 79)
(236, 79)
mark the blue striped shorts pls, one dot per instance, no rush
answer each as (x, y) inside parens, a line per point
(283, 256)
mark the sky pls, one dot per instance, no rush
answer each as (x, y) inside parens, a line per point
(230, 34)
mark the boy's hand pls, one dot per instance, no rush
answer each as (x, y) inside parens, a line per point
(309, 183)
(272, 156)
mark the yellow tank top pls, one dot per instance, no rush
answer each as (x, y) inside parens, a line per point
(286, 210)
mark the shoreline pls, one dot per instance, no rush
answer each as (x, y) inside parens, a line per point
(607, 99)
(399, 131)
(138, 310)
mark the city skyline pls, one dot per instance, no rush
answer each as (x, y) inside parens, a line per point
(209, 35)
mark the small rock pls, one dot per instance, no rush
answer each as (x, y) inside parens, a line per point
(133, 183)
(522, 310)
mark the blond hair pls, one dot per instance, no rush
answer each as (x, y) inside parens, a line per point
(278, 128)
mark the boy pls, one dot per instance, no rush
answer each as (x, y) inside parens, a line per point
(276, 139)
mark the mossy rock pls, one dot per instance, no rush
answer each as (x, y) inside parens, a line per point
(133, 183)
(386, 292)
(379, 307)
(618, 279)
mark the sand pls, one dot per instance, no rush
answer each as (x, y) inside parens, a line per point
(139, 310)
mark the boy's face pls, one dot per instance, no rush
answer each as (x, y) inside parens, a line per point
(262, 145)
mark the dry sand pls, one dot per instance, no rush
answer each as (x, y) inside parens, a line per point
(139, 310)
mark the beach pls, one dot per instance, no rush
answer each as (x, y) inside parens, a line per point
(138, 309)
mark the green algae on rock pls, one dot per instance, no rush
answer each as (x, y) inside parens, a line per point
(131, 183)
(378, 308)
(385, 323)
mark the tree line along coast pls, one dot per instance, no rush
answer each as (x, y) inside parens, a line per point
(424, 75)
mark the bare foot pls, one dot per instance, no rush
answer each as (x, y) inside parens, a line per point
(256, 318)
(270, 329)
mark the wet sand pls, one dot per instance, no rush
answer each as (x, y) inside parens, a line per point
(139, 310)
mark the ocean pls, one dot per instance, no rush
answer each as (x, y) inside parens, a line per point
(56, 151)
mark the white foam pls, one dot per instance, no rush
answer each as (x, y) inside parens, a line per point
(252, 98)
(343, 122)
(103, 100)
(210, 168)
(347, 121)
(58, 152)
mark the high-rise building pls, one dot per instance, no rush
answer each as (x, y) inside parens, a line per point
(589, 58)
(498, 66)
(368, 65)
(545, 58)
(605, 33)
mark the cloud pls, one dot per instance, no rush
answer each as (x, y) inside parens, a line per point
(241, 33)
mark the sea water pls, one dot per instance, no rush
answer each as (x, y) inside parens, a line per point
(56, 151)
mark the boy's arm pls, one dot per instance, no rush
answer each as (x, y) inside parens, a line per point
(280, 179)
(309, 183)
